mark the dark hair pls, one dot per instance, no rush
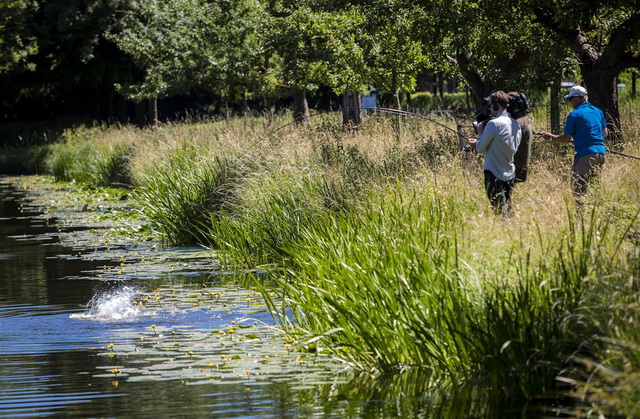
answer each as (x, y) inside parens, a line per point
(499, 98)
(518, 104)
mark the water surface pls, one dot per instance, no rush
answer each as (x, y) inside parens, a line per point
(59, 316)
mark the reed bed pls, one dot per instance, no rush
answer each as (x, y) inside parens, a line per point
(382, 247)
(78, 158)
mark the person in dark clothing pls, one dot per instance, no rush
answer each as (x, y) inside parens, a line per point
(523, 156)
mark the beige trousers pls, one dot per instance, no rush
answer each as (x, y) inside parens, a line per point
(585, 169)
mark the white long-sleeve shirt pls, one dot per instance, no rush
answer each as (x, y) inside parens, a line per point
(499, 142)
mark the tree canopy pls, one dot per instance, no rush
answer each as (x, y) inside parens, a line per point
(115, 52)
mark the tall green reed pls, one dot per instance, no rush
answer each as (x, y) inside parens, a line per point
(388, 287)
(608, 381)
(180, 194)
(80, 158)
(270, 209)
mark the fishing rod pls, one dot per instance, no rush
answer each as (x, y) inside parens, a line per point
(390, 111)
(417, 115)
(538, 133)
(401, 112)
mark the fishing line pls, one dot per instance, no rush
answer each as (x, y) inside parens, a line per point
(607, 148)
(401, 112)
(383, 110)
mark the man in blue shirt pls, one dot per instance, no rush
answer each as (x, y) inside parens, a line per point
(587, 126)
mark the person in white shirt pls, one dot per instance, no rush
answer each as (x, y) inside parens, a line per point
(499, 140)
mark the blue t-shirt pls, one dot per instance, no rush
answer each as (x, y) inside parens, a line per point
(586, 124)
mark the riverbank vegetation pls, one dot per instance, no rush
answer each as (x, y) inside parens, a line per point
(383, 250)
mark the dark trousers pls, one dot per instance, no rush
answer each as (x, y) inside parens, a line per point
(499, 192)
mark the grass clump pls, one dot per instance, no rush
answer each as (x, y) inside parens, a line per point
(392, 286)
(79, 158)
(180, 194)
(270, 211)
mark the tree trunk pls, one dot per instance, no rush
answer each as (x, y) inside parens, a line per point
(98, 109)
(452, 85)
(396, 100)
(480, 90)
(480, 87)
(555, 104)
(300, 107)
(603, 93)
(351, 110)
(633, 83)
(121, 111)
(478, 84)
(152, 117)
(110, 106)
(140, 114)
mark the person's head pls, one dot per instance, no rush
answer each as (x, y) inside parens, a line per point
(498, 102)
(577, 96)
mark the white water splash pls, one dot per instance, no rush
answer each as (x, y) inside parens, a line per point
(112, 306)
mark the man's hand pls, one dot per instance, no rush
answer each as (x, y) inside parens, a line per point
(564, 138)
(472, 143)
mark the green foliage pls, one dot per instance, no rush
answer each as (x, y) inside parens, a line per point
(397, 54)
(78, 158)
(184, 44)
(180, 194)
(308, 46)
(17, 43)
(429, 101)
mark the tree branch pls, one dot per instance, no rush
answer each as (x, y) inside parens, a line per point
(584, 50)
(629, 60)
(621, 37)
(546, 18)
(468, 70)
(514, 63)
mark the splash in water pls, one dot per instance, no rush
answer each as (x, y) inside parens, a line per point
(110, 306)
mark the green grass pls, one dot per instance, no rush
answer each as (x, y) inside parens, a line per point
(391, 286)
(180, 194)
(77, 158)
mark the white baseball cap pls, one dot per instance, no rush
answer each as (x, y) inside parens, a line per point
(576, 91)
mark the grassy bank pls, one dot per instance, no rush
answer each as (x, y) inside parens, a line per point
(383, 248)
